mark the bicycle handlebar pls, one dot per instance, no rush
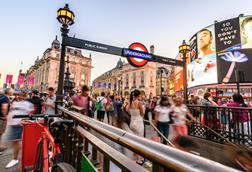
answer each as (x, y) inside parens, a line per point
(35, 116)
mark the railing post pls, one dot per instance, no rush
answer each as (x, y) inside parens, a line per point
(106, 164)
(86, 151)
(157, 168)
(94, 156)
(75, 147)
(79, 149)
(70, 144)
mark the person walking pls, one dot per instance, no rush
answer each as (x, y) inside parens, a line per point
(180, 114)
(135, 109)
(19, 107)
(4, 110)
(100, 106)
(49, 104)
(162, 117)
(83, 100)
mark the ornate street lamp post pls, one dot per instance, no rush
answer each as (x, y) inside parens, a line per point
(184, 49)
(66, 18)
(162, 70)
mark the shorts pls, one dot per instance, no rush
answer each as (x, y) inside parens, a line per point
(100, 115)
(181, 129)
(3, 124)
(14, 133)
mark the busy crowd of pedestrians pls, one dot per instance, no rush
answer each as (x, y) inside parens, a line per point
(168, 114)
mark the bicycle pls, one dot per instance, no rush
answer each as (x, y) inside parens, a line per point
(41, 144)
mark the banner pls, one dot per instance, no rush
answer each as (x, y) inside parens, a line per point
(30, 80)
(20, 80)
(9, 79)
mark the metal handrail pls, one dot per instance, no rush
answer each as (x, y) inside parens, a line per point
(119, 159)
(166, 156)
(222, 107)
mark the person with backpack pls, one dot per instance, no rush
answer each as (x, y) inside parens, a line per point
(100, 106)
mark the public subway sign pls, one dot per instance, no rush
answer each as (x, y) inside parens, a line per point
(137, 54)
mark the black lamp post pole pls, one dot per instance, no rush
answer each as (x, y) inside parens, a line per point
(64, 32)
(161, 83)
(185, 78)
(237, 80)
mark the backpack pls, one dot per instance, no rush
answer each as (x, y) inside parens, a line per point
(110, 107)
(98, 105)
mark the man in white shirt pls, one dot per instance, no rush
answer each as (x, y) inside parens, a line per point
(49, 102)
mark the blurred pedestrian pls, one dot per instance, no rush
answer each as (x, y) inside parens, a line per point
(36, 101)
(14, 130)
(4, 110)
(100, 106)
(162, 117)
(181, 112)
(83, 101)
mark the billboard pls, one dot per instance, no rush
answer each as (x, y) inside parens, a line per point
(219, 49)
(202, 66)
(246, 31)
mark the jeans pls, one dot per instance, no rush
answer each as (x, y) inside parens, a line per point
(163, 127)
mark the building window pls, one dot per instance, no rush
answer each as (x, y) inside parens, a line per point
(134, 79)
(142, 78)
(127, 80)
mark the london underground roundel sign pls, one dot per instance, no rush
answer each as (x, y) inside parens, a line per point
(141, 52)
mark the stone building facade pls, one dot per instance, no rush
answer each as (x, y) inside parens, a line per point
(46, 69)
(124, 78)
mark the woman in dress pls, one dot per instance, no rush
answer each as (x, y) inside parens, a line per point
(135, 109)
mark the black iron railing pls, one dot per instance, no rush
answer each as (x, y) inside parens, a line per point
(162, 157)
(222, 124)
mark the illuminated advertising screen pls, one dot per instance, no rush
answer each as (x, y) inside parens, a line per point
(246, 31)
(227, 35)
(202, 68)
(220, 48)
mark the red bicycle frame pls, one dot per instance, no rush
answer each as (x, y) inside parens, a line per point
(36, 133)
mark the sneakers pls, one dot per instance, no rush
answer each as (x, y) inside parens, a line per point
(12, 163)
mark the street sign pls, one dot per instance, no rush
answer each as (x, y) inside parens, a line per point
(137, 55)
(93, 46)
(168, 61)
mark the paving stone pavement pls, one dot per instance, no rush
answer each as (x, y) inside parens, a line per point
(5, 158)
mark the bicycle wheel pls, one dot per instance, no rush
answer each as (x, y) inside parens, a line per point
(63, 167)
